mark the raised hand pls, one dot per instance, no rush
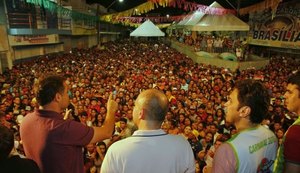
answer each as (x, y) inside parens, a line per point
(112, 105)
(67, 113)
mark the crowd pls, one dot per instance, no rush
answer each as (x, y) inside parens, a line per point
(196, 93)
(214, 43)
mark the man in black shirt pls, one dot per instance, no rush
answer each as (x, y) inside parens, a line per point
(13, 163)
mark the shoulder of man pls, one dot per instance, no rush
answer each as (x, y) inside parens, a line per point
(17, 164)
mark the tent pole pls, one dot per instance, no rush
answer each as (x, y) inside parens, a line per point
(238, 7)
(98, 26)
(231, 4)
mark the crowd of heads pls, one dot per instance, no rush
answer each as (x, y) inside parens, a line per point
(197, 93)
(213, 42)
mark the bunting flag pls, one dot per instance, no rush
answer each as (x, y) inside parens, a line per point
(141, 9)
(138, 24)
(273, 4)
(153, 4)
(138, 20)
(125, 16)
(54, 8)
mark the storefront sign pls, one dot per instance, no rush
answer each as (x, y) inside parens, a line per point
(22, 40)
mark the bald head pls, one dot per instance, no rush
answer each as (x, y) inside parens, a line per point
(154, 103)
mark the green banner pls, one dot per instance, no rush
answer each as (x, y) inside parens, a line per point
(54, 8)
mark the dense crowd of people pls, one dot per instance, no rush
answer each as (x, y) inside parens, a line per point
(213, 43)
(196, 93)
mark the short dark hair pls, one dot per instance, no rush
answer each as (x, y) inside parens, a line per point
(295, 80)
(83, 113)
(123, 120)
(213, 124)
(253, 94)
(48, 87)
(6, 142)
(102, 143)
(202, 106)
(173, 122)
(2, 116)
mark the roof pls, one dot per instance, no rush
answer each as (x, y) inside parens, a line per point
(227, 22)
(192, 19)
(147, 29)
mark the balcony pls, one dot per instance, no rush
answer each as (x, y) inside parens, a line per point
(23, 23)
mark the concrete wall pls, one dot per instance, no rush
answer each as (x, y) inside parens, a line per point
(92, 40)
(216, 61)
(81, 42)
(31, 51)
(67, 42)
(6, 53)
(108, 37)
(4, 46)
(53, 48)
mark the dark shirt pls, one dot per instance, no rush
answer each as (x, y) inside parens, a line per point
(15, 164)
(196, 147)
(53, 143)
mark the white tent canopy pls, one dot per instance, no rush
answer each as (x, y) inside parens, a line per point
(182, 22)
(227, 22)
(147, 29)
(190, 19)
(193, 18)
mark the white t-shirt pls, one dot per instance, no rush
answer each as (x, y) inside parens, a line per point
(148, 152)
(252, 150)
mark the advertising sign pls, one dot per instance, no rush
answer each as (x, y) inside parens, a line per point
(279, 30)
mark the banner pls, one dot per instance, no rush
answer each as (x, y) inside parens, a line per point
(55, 8)
(24, 40)
(281, 30)
(168, 19)
(151, 5)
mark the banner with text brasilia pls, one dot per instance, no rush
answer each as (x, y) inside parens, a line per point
(279, 30)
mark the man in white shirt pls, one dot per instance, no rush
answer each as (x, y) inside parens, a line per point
(150, 149)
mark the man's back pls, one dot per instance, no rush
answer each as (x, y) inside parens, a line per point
(251, 150)
(259, 149)
(17, 164)
(55, 144)
(149, 151)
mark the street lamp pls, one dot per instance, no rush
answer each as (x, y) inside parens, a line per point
(113, 4)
